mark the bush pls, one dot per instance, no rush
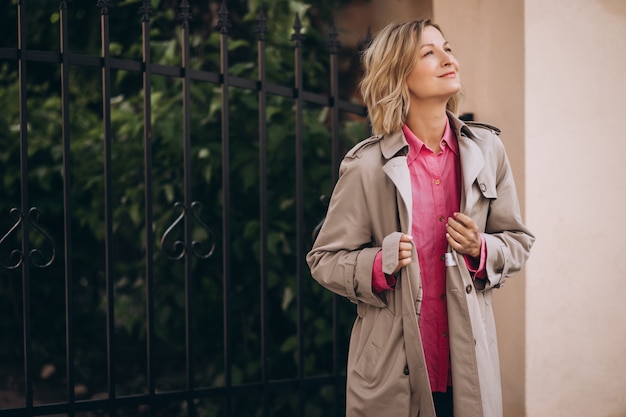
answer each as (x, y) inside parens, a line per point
(126, 264)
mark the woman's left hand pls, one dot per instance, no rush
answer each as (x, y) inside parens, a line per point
(462, 234)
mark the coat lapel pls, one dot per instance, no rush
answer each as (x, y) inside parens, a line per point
(398, 172)
(472, 160)
(394, 148)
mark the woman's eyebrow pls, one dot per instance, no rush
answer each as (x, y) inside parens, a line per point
(446, 43)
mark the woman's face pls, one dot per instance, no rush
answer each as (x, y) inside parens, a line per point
(435, 75)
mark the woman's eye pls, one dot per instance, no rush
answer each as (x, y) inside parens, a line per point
(428, 53)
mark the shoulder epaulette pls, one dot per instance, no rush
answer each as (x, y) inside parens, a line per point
(360, 145)
(494, 129)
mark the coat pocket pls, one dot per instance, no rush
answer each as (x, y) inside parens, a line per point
(369, 362)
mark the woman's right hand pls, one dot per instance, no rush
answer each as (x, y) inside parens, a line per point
(405, 248)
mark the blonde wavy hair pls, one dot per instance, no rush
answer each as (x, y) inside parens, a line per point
(387, 62)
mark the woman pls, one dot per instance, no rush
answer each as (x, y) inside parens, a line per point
(423, 224)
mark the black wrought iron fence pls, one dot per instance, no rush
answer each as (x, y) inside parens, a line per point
(157, 316)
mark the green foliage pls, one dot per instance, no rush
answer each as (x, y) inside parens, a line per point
(87, 261)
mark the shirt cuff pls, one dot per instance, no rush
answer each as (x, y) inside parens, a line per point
(380, 280)
(477, 265)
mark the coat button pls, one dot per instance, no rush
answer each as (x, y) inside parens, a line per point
(483, 187)
(406, 370)
(468, 289)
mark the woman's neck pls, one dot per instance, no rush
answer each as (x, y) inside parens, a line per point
(428, 124)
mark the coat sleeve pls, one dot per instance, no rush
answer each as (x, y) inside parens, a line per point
(343, 254)
(508, 241)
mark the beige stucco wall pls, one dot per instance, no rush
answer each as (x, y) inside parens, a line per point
(552, 76)
(487, 36)
(354, 19)
(575, 168)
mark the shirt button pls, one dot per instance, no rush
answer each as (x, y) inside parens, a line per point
(442, 257)
(445, 334)
(441, 218)
(437, 181)
(443, 296)
(468, 289)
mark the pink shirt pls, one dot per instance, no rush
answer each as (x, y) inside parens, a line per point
(436, 181)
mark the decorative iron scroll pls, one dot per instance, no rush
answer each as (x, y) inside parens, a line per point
(16, 257)
(178, 248)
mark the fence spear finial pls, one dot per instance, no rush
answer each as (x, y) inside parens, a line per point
(104, 6)
(333, 41)
(261, 28)
(222, 23)
(145, 10)
(184, 16)
(297, 30)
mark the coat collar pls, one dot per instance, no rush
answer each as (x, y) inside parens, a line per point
(393, 144)
(472, 159)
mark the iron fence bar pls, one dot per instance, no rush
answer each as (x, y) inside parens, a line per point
(108, 201)
(106, 64)
(184, 18)
(223, 24)
(10, 53)
(165, 397)
(334, 45)
(67, 222)
(146, 11)
(170, 71)
(299, 139)
(364, 45)
(261, 30)
(26, 308)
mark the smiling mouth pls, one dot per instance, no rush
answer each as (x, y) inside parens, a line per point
(448, 75)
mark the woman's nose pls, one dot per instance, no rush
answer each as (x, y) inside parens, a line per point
(446, 58)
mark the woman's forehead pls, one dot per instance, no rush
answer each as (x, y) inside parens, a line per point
(431, 35)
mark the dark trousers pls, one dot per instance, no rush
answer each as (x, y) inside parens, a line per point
(443, 403)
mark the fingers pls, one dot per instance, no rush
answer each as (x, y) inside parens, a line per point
(406, 239)
(462, 234)
(460, 220)
(405, 249)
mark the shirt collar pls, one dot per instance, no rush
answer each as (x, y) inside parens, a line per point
(416, 145)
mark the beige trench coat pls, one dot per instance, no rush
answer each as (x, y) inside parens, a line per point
(369, 209)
